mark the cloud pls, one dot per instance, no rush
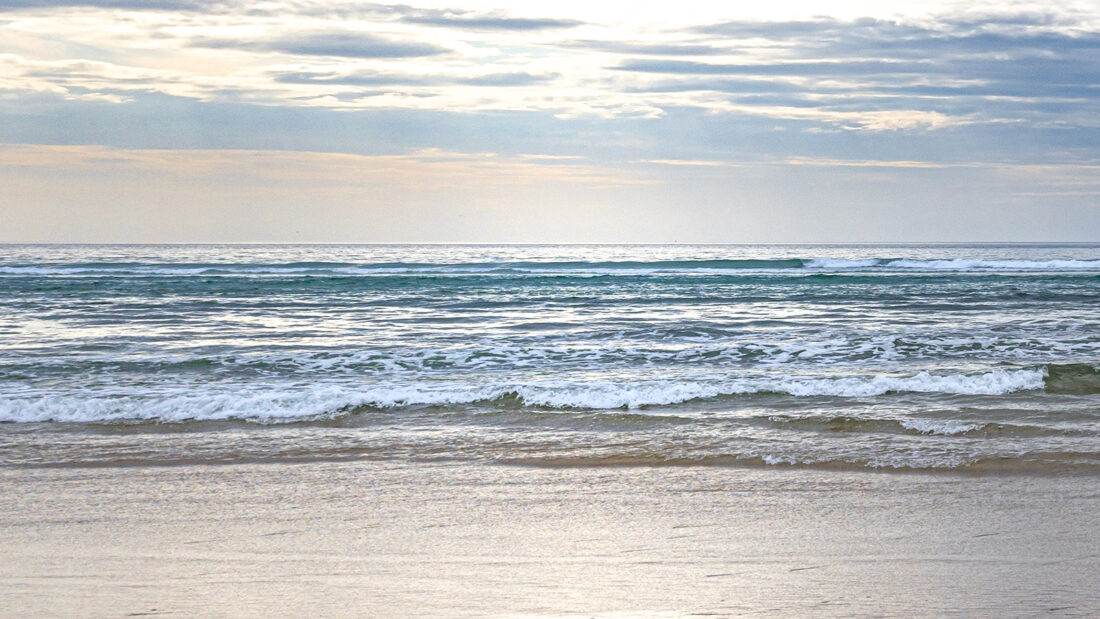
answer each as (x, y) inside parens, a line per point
(829, 163)
(1014, 68)
(1038, 70)
(787, 69)
(133, 5)
(647, 49)
(467, 21)
(824, 29)
(362, 78)
(343, 44)
(507, 79)
(857, 120)
(359, 79)
(695, 163)
(946, 38)
(731, 100)
(746, 85)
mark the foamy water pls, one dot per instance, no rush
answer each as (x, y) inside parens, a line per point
(929, 357)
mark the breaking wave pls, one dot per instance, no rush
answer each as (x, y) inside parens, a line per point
(282, 403)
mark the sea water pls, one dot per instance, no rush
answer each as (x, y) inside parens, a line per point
(896, 357)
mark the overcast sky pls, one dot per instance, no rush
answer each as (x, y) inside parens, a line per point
(336, 121)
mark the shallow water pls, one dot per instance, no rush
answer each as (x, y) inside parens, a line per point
(936, 357)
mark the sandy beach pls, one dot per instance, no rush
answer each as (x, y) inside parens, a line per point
(459, 540)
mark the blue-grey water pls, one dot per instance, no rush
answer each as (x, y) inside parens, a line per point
(933, 357)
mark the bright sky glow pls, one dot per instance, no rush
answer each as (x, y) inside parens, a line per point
(187, 120)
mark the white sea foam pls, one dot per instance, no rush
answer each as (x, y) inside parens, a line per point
(837, 263)
(288, 402)
(991, 383)
(994, 265)
(615, 395)
(953, 264)
(941, 427)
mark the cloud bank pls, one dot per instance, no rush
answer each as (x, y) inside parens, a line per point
(745, 93)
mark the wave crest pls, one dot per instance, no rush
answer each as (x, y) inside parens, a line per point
(1073, 379)
(282, 403)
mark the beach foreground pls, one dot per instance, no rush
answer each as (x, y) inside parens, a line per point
(445, 539)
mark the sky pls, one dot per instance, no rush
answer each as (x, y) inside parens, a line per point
(448, 121)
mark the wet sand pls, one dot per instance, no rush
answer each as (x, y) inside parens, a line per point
(455, 540)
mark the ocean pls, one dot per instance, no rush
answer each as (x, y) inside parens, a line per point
(934, 358)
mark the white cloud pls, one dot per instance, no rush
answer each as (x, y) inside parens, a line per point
(238, 51)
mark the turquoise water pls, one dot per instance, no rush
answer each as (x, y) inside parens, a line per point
(938, 357)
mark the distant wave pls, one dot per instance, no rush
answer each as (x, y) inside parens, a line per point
(548, 267)
(274, 404)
